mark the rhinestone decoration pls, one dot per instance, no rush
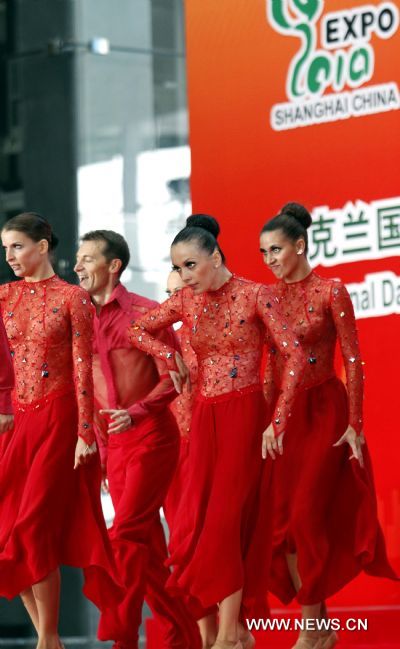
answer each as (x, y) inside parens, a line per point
(335, 322)
(228, 342)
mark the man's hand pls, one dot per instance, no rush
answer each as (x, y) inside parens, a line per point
(120, 420)
(104, 480)
(6, 423)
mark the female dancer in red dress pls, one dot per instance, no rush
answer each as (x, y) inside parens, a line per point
(50, 512)
(325, 524)
(218, 545)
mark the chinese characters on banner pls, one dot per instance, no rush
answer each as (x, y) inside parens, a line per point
(359, 232)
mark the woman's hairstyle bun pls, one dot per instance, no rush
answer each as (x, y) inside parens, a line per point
(203, 229)
(205, 222)
(298, 212)
(34, 225)
(293, 219)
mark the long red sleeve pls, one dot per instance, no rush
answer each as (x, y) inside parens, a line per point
(6, 374)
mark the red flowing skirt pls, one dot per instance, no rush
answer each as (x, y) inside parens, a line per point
(221, 533)
(49, 513)
(325, 504)
(178, 484)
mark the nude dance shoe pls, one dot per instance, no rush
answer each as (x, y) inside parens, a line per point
(219, 644)
(248, 640)
(307, 640)
(327, 640)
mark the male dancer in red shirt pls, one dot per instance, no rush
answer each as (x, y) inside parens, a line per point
(132, 394)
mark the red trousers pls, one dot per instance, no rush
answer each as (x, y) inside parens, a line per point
(141, 464)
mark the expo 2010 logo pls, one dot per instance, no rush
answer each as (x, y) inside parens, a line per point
(335, 59)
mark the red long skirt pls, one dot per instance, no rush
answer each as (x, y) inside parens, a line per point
(178, 484)
(220, 538)
(49, 513)
(325, 504)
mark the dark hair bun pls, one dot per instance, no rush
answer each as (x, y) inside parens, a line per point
(54, 241)
(205, 222)
(299, 213)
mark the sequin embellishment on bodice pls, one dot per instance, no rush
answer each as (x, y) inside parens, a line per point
(320, 312)
(49, 329)
(226, 329)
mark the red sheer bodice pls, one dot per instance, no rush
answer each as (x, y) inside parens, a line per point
(226, 329)
(49, 329)
(319, 311)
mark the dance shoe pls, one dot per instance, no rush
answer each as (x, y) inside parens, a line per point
(327, 640)
(248, 640)
(219, 644)
(307, 640)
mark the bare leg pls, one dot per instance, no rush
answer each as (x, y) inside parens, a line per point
(29, 602)
(312, 611)
(229, 610)
(245, 637)
(208, 630)
(47, 598)
(294, 573)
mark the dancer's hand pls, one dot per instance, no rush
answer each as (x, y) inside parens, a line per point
(84, 452)
(120, 420)
(6, 423)
(355, 442)
(182, 376)
(104, 480)
(271, 444)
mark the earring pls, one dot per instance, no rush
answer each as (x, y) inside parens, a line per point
(299, 252)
